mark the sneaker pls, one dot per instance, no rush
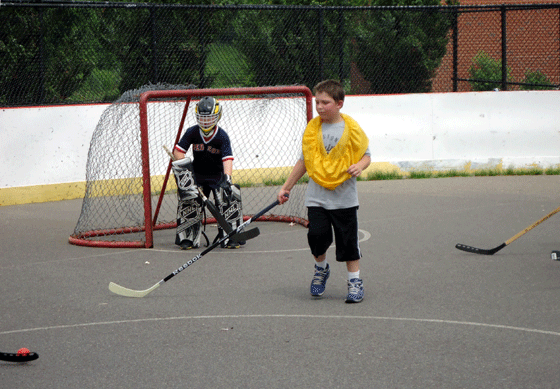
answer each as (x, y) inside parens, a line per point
(355, 291)
(231, 244)
(320, 280)
(186, 245)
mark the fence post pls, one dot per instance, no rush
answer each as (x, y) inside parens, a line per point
(504, 48)
(321, 52)
(455, 28)
(202, 43)
(42, 94)
(342, 35)
(153, 20)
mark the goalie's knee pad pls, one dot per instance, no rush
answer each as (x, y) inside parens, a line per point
(184, 176)
(189, 222)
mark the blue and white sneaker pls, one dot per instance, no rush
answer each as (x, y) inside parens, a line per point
(320, 280)
(355, 291)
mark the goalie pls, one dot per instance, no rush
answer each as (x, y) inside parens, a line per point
(210, 170)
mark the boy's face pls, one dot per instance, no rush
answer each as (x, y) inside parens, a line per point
(327, 108)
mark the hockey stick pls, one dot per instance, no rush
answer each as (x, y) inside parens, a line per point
(475, 250)
(13, 357)
(121, 290)
(220, 219)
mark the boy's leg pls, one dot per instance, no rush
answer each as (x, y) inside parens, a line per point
(319, 237)
(355, 283)
(345, 224)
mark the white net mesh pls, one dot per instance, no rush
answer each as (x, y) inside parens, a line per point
(265, 129)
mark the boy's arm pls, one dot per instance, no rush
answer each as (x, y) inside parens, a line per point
(357, 169)
(178, 154)
(297, 172)
(228, 166)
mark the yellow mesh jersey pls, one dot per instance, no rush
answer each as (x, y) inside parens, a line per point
(329, 169)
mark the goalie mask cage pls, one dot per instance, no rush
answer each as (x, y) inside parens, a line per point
(130, 188)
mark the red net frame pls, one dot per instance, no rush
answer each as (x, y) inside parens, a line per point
(91, 237)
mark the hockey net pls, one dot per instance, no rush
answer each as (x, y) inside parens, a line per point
(130, 188)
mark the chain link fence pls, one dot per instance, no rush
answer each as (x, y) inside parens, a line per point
(92, 52)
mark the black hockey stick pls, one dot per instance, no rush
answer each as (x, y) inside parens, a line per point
(475, 250)
(121, 290)
(220, 219)
(13, 357)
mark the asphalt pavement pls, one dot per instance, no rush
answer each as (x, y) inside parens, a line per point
(432, 316)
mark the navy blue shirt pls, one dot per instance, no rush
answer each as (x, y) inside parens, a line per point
(208, 155)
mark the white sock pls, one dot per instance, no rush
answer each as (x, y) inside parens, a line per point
(353, 274)
(322, 264)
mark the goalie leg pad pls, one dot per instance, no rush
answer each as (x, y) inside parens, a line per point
(189, 222)
(184, 177)
(232, 210)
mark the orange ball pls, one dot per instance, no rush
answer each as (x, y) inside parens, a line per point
(23, 352)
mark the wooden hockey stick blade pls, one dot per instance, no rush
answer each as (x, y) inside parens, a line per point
(13, 357)
(122, 291)
(169, 153)
(475, 250)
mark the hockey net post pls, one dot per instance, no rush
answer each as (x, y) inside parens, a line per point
(129, 193)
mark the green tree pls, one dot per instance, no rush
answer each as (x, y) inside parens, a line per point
(486, 72)
(536, 80)
(47, 54)
(175, 51)
(19, 57)
(280, 46)
(399, 50)
(396, 50)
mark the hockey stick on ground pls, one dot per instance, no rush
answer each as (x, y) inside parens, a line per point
(475, 250)
(13, 357)
(240, 236)
(121, 290)
(220, 219)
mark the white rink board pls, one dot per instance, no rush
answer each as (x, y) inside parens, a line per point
(49, 145)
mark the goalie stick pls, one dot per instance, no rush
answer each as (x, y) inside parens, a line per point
(122, 291)
(475, 250)
(13, 357)
(220, 219)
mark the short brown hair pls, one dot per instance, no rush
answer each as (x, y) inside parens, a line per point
(331, 87)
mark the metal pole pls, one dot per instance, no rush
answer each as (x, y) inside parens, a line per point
(504, 49)
(455, 27)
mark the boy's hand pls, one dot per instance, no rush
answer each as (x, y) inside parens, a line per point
(354, 170)
(283, 196)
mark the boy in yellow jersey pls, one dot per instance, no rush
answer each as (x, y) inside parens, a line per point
(334, 152)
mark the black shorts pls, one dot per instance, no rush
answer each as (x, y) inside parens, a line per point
(344, 222)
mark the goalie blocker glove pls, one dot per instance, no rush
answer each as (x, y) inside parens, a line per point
(228, 188)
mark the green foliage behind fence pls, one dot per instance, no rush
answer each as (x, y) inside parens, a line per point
(88, 52)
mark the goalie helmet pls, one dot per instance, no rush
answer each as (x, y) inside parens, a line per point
(208, 112)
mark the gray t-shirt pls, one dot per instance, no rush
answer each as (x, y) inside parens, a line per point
(343, 196)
